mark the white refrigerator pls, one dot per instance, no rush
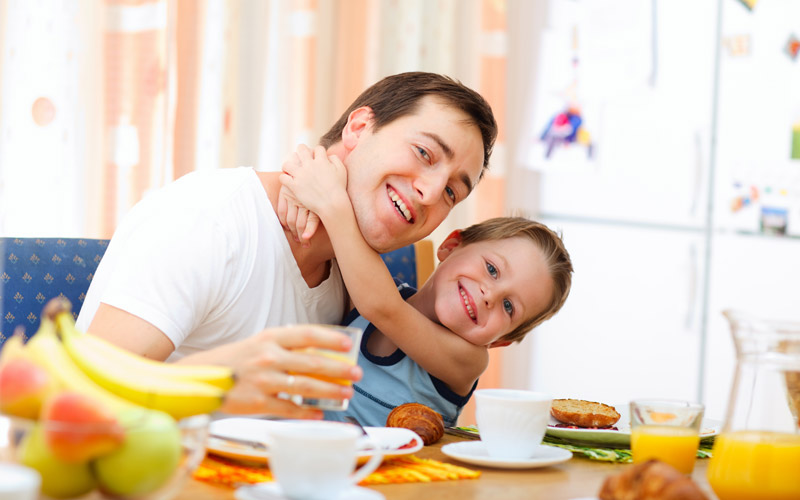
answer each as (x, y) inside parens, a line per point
(660, 135)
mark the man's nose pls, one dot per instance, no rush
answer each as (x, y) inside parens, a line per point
(430, 186)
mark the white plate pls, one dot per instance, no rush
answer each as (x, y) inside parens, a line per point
(474, 452)
(620, 438)
(272, 491)
(390, 439)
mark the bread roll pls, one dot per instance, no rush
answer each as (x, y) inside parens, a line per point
(420, 419)
(584, 413)
(651, 480)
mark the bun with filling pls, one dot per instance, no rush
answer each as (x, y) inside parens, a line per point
(584, 413)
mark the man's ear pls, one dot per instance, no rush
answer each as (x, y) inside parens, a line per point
(500, 343)
(358, 121)
(448, 245)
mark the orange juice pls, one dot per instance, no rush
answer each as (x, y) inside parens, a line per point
(755, 464)
(676, 446)
(338, 356)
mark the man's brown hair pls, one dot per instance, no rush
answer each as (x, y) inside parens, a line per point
(399, 95)
(555, 254)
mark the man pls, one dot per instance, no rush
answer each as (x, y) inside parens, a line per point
(205, 263)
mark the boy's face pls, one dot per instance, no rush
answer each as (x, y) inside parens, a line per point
(405, 178)
(486, 289)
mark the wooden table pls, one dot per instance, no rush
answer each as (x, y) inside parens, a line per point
(576, 478)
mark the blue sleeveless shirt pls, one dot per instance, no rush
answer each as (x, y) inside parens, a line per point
(390, 381)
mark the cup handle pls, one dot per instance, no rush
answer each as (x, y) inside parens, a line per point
(372, 464)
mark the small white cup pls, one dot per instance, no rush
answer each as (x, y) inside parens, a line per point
(314, 460)
(18, 482)
(512, 422)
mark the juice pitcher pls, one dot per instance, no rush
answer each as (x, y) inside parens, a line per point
(757, 453)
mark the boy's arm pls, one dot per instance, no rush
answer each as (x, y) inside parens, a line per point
(319, 184)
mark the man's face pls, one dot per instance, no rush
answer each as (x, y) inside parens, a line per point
(405, 178)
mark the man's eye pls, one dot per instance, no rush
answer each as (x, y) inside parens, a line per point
(423, 153)
(492, 270)
(508, 306)
(450, 193)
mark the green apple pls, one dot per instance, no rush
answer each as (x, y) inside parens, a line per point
(148, 457)
(59, 479)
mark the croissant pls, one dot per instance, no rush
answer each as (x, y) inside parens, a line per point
(420, 419)
(651, 480)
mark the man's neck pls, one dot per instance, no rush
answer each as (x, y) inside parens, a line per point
(314, 262)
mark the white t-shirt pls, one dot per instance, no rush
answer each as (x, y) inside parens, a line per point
(205, 260)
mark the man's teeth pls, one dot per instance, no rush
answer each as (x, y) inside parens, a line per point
(400, 205)
(467, 304)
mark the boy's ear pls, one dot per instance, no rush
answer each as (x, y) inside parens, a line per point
(448, 245)
(500, 343)
(357, 122)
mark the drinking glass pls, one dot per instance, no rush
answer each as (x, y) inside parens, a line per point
(666, 430)
(350, 357)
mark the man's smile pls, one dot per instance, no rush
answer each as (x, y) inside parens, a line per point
(400, 205)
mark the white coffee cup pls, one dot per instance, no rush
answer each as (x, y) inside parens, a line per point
(314, 460)
(512, 422)
(18, 482)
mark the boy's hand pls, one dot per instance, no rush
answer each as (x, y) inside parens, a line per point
(300, 221)
(317, 183)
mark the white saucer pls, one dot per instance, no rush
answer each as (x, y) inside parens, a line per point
(474, 452)
(272, 491)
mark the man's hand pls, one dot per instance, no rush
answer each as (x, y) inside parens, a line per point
(274, 362)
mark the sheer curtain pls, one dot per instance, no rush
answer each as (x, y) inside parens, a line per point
(102, 101)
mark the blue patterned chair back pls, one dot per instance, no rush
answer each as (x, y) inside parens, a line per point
(35, 270)
(411, 264)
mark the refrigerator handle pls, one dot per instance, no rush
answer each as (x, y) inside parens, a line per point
(698, 173)
(692, 292)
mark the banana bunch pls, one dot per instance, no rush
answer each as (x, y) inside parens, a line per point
(100, 416)
(179, 390)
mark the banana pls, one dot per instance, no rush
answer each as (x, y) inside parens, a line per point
(131, 363)
(179, 398)
(46, 350)
(12, 348)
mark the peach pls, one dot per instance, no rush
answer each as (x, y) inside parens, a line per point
(24, 385)
(79, 428)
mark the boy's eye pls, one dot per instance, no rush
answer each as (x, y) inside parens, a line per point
(508, 306)
(492, 270)
(450, 193)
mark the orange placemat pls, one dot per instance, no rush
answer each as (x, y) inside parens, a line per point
(407, 469)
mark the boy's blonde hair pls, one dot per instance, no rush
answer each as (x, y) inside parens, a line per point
(555, 254)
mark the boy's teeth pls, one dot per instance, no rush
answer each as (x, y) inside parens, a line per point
(400, 205)
(466, 303)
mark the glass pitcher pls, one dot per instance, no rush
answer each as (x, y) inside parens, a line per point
(757, 453)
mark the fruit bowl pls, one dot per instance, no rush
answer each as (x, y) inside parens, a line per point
(150, 456)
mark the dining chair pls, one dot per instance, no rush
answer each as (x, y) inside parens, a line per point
(35, 270)
(412, 264)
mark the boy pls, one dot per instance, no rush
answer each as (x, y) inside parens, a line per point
(496, 281)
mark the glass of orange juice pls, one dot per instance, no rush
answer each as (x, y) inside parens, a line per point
(666, 430)
(350, 357)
